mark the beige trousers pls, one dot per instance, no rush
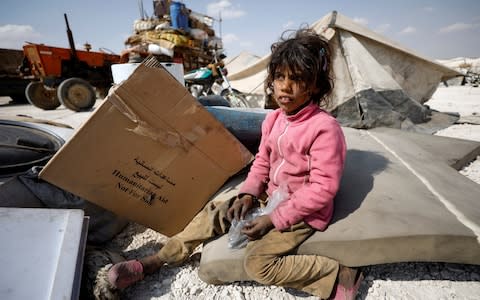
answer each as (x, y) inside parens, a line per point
(270, 260)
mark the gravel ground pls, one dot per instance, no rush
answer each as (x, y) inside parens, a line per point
(389, 281)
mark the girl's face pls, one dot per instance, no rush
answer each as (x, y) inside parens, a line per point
(290, 91)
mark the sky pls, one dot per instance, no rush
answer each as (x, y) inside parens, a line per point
(435, 29)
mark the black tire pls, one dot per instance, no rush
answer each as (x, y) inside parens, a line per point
(76, 94)
(235, 97)
(42, 97)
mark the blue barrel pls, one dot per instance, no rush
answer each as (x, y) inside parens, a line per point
(244, 123)
(178, 15)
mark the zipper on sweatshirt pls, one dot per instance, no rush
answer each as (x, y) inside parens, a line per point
(306, 178)
(280, 153)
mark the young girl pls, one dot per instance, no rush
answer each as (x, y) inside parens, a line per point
(303, 148)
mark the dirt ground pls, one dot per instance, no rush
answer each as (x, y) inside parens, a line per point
(390, 281)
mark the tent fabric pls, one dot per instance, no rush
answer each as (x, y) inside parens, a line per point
(242, 60)
(378, 82)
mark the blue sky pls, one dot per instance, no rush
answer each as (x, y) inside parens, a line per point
(435, 29)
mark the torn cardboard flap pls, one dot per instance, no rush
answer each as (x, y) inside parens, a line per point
(166, 123)
(150, 153)
(149, 83)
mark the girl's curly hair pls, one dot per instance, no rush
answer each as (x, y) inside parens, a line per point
(308, 55)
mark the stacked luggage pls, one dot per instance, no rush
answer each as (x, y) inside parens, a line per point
(175, 34)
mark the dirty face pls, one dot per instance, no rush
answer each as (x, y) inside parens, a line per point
(290, 91)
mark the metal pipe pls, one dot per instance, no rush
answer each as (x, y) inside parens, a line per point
(70, 39)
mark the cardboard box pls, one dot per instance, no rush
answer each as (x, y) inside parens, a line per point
(150, 152)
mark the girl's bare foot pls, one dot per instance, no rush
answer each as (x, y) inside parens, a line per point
(348, 283)
(123, 274)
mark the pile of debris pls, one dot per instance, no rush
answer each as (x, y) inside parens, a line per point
(174, 34)
(469, 68)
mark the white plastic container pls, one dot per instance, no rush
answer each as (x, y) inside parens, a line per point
(41, 253)
(121, 72)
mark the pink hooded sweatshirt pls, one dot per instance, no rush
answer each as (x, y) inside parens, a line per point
(307, 152)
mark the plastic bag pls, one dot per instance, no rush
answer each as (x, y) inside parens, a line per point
(238, 240)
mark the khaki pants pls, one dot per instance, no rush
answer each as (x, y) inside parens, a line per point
(270, 260)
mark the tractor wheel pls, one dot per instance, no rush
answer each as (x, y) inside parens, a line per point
(41, 96)
(76, 94)
(102, 92)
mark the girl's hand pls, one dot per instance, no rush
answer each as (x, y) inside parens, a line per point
(258, 227)
(240, 207)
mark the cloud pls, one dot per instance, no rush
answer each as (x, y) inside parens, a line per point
(288, 25)
(227, 10)
(457, 27)
(14, 36)
(361, 21)
(408, 30)
(428, 9)
(229, 38)
(382, 28)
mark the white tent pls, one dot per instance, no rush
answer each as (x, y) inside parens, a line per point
(378, 82)
(241, 61)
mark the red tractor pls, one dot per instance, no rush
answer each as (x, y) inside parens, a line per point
(66, 76)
